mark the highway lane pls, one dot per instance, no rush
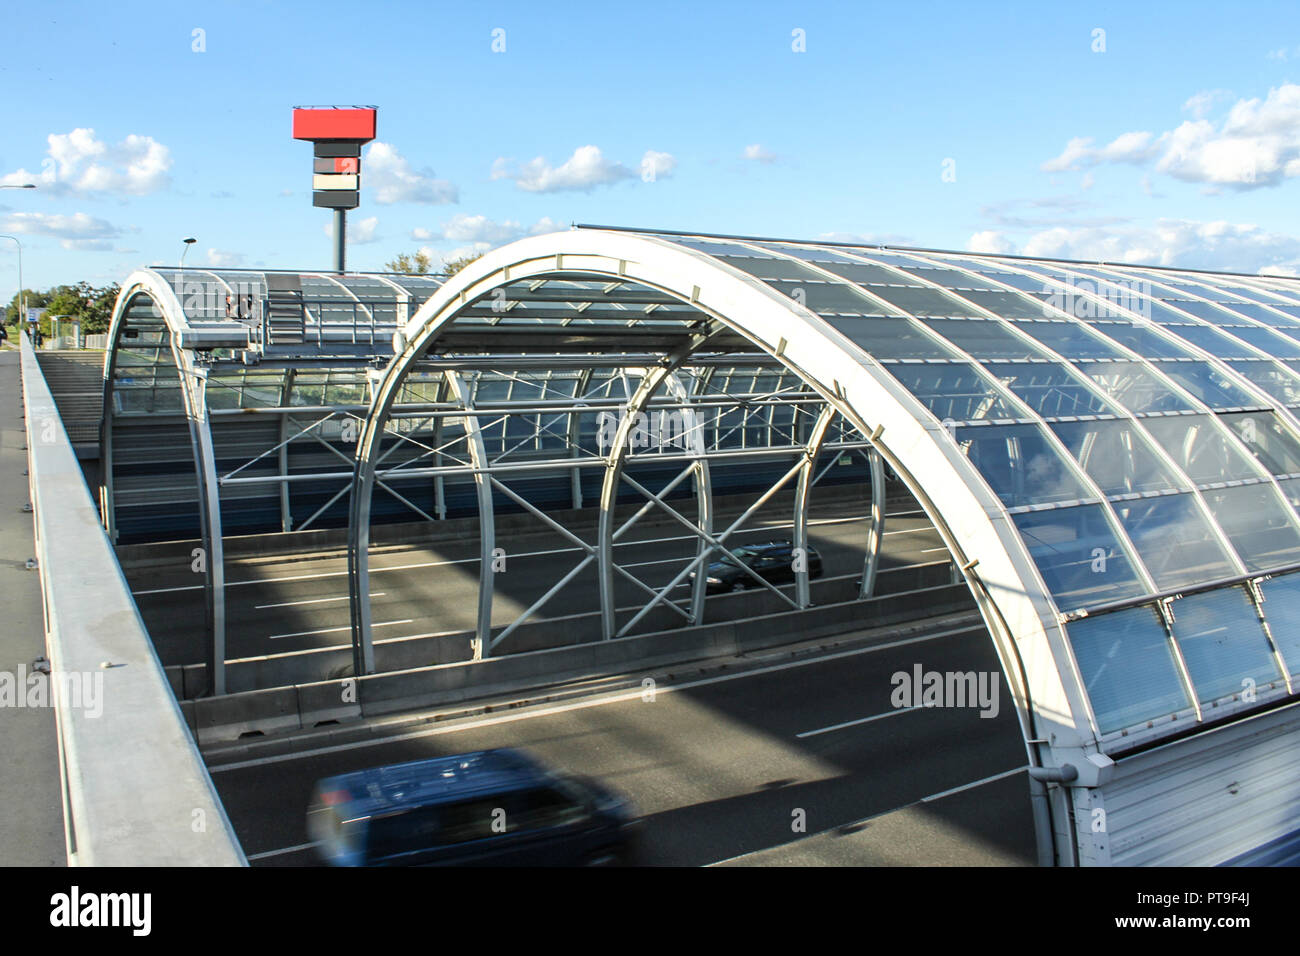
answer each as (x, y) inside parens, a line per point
(283, 606)
(722, 766)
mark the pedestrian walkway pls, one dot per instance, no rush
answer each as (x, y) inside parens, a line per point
(31, 821)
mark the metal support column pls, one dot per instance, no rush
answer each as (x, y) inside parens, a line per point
(340, 239)
(807, 476)
(875, 534)
(194, 386)
(487, 520)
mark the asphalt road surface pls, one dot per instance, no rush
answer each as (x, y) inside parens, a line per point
(279, 606)
(722, 764)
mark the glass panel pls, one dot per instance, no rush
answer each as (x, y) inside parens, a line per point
(1267, 439)
(1142, 340)
(1128, 667)
(923, 301)
(1117, 457)
(1206, 311)
(1223, 643)
(1133, 386)
(1007, 305)
(1282, 609)
(1021, 465)
(985, 339)
(1078, 555)
(1261, 530)
(1213, 341)
(865, 274)
(1282, 346)
(1201, 449)
(1207, 384)
(953, 392)
(1051, 390)
(1272, 379)
(1174, 540)
(1070, 339)
(890, 338)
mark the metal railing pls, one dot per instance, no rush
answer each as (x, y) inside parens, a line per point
(135, 789)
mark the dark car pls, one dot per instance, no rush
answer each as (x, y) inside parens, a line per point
(773, 562)
(489, 808)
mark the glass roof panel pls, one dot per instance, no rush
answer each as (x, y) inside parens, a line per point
(1079, 557)
(1069, 339)
(1128, 666)
(1272, 379)
(1177, 544)
(1273, 343)
(1282, 609)
(1201, 449)
(1142, 339)
(1223, 643)
(1262, 531)
(1021, 465)
(953, 391)
(985, 339)
(1266, 437)
(892, 338)
(1007, 305)
(1208, 384)
(1211, 340)
(1051, 389)
(917, 301)
(1133, 386)
(1117, 457)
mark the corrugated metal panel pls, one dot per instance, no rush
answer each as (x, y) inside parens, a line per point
(1209, 798)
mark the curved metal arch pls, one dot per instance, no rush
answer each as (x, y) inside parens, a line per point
(971, 521)
(148, 283)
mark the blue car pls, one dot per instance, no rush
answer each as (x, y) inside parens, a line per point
(489, 808)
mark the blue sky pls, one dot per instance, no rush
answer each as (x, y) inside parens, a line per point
(1172, 136)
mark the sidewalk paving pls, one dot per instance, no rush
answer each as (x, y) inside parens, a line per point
(31, 821)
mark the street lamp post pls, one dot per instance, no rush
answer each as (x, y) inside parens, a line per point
(22, 300)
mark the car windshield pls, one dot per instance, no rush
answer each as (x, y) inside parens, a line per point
(740, 556)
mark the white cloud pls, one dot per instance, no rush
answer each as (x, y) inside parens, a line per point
(656, 165)
(1200, 104)
(77, 232)
(390, 178)
(79, 163)
(358, 233)
(1257, 144)
(586, 169)
(990, 240)
(220, 258)
(1219, 245)
(758, 154)
(1087, 182)
(421, 234)
(1134, 147)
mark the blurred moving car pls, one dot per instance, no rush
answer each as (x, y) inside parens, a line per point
(773, 562)
(488, 808)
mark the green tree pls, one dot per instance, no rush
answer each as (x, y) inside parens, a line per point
(455, 265)
(91, 306)
(418, 263)
(35, 300)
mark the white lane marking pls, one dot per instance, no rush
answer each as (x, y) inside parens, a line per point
(288, 849)
(876, 816)
(528, 554)
(583, 704)
(855, 723)
(343, 597)
(331, 630)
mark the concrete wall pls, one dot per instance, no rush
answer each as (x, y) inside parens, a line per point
(307, 704)
(135, 788)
